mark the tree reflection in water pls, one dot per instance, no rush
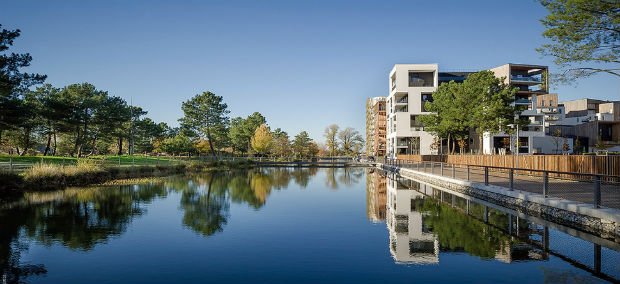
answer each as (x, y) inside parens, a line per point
(81, 218)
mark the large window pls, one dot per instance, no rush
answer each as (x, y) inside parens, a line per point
(421, 79)
(426, 97)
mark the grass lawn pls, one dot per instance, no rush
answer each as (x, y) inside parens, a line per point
(124, 160)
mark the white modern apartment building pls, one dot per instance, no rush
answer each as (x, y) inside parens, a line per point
(411, 85)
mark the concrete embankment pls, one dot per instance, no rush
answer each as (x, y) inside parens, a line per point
(601, 221)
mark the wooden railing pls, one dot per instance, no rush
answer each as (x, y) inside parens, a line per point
(601, 165)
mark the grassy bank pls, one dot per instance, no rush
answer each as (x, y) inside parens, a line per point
(48, 176)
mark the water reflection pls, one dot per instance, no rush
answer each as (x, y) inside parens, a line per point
(425, 222)
(82, 218)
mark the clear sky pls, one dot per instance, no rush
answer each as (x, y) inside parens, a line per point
(303, 64)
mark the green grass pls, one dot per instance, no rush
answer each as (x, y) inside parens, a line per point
(124, 160)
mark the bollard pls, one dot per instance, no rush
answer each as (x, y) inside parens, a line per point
(440, 168)
(453, 172)
(511, 179)
(11, 164)
(597, 191)
(486, 175)
(545, 184)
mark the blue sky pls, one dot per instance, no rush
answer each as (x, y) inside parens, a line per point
(303, 64)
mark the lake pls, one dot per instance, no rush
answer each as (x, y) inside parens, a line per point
(280, 225)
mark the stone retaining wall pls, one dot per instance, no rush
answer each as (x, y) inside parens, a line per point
(604, 222)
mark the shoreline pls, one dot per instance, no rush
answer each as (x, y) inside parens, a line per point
(16, 183)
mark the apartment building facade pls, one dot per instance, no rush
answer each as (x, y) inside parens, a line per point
(376, 126)
(594, 123)
(410, 85)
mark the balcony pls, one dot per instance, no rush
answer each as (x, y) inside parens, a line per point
(526, 79)
(401, 109)
(549, 110)
(552, 118)
(403, 100)
(535, 123)
(522, 101)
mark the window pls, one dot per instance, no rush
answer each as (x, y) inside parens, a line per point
(426, 97)
(421, 79)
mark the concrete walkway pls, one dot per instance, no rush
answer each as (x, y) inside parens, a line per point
(580, 191)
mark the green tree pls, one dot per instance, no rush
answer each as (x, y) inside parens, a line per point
(81, 101)
(262, 140)
(583, 32)
(236, 135)
(281, 143)
(147, 133)
(177, 144)
(207, 115)
(242, 130)
(493, 111)
(331, 139)
(452, 110)
(301, 145)
(13, 82)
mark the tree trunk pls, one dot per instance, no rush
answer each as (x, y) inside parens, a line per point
(120, 145)
(26, 142)
(48, 144)
(210, 142)
(77, 140)
(55, 145)
(49, 140)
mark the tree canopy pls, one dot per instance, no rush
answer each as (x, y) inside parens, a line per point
(584, 35)
(207, 115)
(481, 103)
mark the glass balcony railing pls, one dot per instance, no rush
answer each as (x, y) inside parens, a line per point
(523, 101)
(523, 78)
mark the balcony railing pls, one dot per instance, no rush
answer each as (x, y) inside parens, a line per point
(523, 78)
(549, 110)
(522, 101)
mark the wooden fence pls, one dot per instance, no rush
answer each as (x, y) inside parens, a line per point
(603, 165)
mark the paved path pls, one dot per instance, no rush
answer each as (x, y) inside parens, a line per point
(571, 189)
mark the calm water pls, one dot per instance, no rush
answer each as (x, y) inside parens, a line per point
(286, 226)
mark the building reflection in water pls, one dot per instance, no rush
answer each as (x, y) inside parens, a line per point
(376, 196)
(422, 221)
(410, 240)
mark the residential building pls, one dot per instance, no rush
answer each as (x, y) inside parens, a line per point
(532, 82)
(410, 85)
(592, 122)
(376, 127)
